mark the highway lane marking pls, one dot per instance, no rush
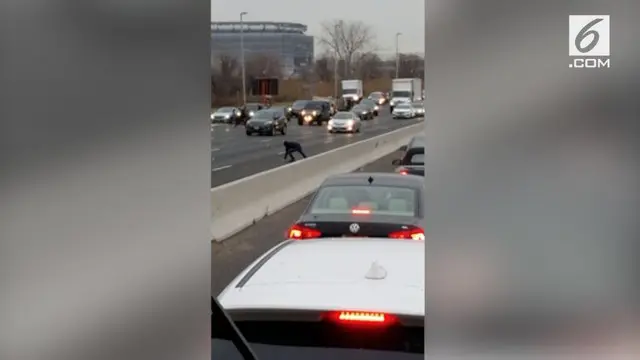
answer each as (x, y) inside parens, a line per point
(216, 149)
(281, 153)
(221, 168)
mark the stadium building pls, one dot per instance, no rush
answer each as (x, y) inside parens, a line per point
(287, 41)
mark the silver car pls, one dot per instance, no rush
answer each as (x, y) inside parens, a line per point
(225, 115)
(404, 111)
(419, 108)
(344, 121)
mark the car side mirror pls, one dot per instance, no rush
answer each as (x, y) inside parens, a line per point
(396, 162)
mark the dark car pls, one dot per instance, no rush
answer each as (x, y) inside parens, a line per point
(315, 113)
(365, 112)
(249, 109)
(267, 122)
(293, 112)
(364, 205)
(412, 160)
(417, 170)
(379, 97)
(372, 104)
(415, 142)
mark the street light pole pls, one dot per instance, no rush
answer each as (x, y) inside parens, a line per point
(335, 63)
(397, 56)
(244, 79)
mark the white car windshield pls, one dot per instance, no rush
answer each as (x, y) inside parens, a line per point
(225, 110)
(343, 116)
(403, 107)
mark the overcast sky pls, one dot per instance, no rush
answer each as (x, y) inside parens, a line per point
(385, 17)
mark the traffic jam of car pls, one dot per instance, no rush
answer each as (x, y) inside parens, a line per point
(339, 115)
(323, 292)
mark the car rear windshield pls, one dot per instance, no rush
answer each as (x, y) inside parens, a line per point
(313, 106)
(299, 104)
(417, 159)
(401, 94)
(378, 200)
(273, 340)
(264, 114)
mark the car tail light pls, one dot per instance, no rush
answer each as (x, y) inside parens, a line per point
(361, 317)
(299, 232)
(413, 234)
(404, 172)
(360, 211)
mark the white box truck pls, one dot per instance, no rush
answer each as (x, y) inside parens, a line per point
(352, 90)
(405, 90)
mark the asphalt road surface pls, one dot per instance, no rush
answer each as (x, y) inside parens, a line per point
(230, 257)
(234, 155)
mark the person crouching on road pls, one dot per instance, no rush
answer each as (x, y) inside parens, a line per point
(291, 147)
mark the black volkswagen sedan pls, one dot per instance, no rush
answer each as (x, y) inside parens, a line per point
(267, 122)
(382, 205)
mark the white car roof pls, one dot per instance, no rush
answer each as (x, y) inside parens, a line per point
(334, 274)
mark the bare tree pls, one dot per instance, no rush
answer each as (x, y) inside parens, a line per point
(369, 66)
(228, 66)
(411, 66)
(323, 68)
(263, 65)
(346, 39)
(224, 76)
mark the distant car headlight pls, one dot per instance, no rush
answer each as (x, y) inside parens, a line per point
(365, 112)
(289, 109)
(380, 101)
(330, 123)
(303, 112)
(350, 122)
(238, 113)
(314, 113)
(228, 116)
(212, 116)
(376, 107)
(251, 113)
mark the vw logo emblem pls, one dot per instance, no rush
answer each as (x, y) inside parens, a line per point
(354, 228)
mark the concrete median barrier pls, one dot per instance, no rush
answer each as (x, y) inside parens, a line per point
(237, 205)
